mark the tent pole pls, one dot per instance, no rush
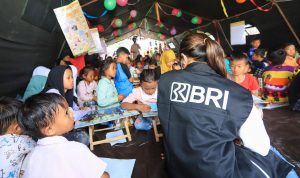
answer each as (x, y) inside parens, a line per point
(88, 3)
(222, 31)
(61, 49)
(287, 22)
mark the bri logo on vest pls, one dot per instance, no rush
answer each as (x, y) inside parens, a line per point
(184, 92)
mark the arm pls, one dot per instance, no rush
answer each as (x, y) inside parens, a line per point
(139, 107)
(254, 134)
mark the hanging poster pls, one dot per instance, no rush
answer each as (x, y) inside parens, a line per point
(96, 39)
(75, 28)
(237, 33)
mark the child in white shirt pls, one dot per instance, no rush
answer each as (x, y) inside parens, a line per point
(48, 117)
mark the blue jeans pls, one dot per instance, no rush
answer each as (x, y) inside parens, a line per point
(78, 136)
(143, 123)
(292, 173)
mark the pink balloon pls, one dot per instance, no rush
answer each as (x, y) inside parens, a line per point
(122, 2)
(175, 12)
(133, 13)
(173, 31)
(115, 33)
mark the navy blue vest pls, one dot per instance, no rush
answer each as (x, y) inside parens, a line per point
(201, 114)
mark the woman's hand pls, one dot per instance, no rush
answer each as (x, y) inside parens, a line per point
(143, 108)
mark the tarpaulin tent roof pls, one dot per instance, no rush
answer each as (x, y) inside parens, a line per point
(30, 35)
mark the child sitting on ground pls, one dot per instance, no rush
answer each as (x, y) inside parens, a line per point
(277, 78)
(240, 67)
(13, 144)
(145, 96)
(107, 95)
(47, 117)
(86, 88)
(259, 64)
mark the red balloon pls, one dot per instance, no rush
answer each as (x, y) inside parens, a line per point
(122, 2)
(100, 28)
(240, 1)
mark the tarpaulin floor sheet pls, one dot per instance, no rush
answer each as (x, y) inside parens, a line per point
(283, 127)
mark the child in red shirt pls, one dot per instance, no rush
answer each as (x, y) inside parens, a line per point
(240, 67)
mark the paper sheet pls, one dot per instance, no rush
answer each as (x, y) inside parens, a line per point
(237, 33)
(119, 168)
(115, 134)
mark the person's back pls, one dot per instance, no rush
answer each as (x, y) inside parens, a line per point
(277, 78)
(193, 92)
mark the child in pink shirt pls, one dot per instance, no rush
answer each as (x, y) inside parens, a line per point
(86, 89)
(143, 99)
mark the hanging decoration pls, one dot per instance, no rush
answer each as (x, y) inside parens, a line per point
(110, 4)
(224, 8)
(160, 25)
(100, 28)
(131, 26)
(161, 36)
(117, 23)
(260, 8)
(133, 13)
(122, 2)
(173, 31)
(94, 17)
(176, 12)
(240, 1)
(117, 32)
(157, 12)
(196, 20)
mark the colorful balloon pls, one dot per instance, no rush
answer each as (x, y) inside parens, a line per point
(173, 31)
(100, 28)
(159, 35)
(115, 33)
(122, 2)
(179, 14)
(175, 11)
(110, 4)
(162, 37)
(196, 20)
(131, 26)
(118, 23)
(240, 1)
(133, 13)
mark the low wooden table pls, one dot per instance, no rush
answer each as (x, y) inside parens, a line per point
(106, 115)
(155, 122)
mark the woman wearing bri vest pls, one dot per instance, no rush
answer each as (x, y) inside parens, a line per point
(202, 113)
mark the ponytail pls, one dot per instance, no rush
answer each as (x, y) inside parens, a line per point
(199, 47)
(215, 57)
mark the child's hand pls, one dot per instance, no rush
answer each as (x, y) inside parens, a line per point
(144, 108)
(120, 97)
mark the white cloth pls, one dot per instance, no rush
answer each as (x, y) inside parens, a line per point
(13, 149)
(146, 97)
(56, 157)
(253, 133)
(41, 70)
(74, 71)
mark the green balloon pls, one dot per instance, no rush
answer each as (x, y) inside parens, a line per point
(119, 32)
(195, 20)
(179, 14)
(159, 35)
(110, 4)
(118, 22)
(133, 25)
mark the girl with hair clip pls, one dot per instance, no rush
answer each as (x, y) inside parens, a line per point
(86, 88)
(60, 81)
(202, 113)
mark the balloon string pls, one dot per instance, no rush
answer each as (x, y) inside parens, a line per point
(224, 8)
(163, 10)
(132, 4)
(94, 17)
(260, 8)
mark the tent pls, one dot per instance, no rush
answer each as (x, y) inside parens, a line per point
(30, 35)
